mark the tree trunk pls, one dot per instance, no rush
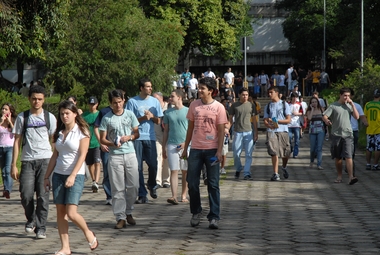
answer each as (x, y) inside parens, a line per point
(20, 71)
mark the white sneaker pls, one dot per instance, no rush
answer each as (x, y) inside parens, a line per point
(95, 187)
(109, 201)
(223, 171)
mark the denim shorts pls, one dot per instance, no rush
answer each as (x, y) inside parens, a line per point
(64, 196)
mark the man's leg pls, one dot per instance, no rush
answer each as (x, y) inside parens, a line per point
(213, 186)
(195, 162)
(338, 166)
(27, 180)
(131, 180)
(248, 148)
(296, 132)
(150, 156)
(237, 146)
(159, 180)
(291, 134)
(42, 207)
(139, 154)
(116, 173)
(106, 181)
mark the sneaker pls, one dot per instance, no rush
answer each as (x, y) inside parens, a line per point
(166, 186)
(131, 221)
(41, 234)
(153, 192)
(109, 201)
(320, 168)
(368, 167)
(275, 177)
(311, 165)
(285, 173)
(248, 177)
(376, 168)
(195, 220)
(223, 171)
(213, 224)
(237, 174)
(6, 194)
(120, 224)
(142, 200)
(95, 187)
(29, 227)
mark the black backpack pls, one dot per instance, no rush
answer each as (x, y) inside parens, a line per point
(25, 125)
(293, 75)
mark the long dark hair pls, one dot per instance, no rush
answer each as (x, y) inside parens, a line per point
(82, 124)
(318, 104)
(12, 111)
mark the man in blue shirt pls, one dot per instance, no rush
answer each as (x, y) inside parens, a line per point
(148, 112)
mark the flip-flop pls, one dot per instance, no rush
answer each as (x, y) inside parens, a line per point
(172, 201)
(61, 253)
(93, 242)
(338, 181)
(353, 181)
(185, 200)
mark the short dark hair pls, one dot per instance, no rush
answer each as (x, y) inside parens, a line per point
(243, 90)
(344, 90)
(209, 82)
(142, 82)
(37, 89)
(115, 94)
(179, 93)
(274, 88)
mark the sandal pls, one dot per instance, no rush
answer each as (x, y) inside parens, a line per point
(185, 200)
(93, 242)
(338, 181)
(61, 253)
(172, 201)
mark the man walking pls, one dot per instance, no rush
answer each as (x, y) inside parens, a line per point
(294, 126)
(242, 111)
(372, 111)
(338, 116)
(206, 132)
(117, 131)
(148, 112)
(33, 130)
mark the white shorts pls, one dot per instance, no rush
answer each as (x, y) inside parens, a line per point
(174, 160)
(225, 149)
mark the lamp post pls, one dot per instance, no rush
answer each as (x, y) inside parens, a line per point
(245, 63)
(362, 39)
(324, 36)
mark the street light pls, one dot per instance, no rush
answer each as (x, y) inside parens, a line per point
(324, 36)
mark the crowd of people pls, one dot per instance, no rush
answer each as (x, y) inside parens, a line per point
(169, 136)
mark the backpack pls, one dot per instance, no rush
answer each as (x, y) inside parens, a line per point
(293, 75)
(25, 125)
(283, 108)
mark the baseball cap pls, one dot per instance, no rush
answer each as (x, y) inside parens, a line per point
(92, 100)
(376, 93)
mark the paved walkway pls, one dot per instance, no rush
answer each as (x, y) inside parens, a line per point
(306, 214)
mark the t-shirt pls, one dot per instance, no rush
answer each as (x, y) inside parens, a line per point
(37, 144)
(177, 121)
(206, 118)
(242, 113)
(185, 77)
(324, 77)
(193, 83)
(250, 81)
(281, 82)
(263, 79)
(101, 114)
(68, 152)
(228, 77)
(295, 119)
(6, 137)
(210, 74)
(340, 115)
(119, 125)
(276, 109)
(372, 112)
(138, 106)
(90, 118)
(276, 79)
(354, 122)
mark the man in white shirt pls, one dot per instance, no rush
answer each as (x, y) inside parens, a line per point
(192, 87)
(229, 77)
(210, 73)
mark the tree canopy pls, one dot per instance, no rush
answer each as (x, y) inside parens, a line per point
(111, 44)
(214, 27)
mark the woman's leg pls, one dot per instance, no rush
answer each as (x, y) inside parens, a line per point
(184, 185)
(174, 183)
(63, 228)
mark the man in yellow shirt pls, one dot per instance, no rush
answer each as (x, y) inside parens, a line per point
(316, 77)
(372, 112)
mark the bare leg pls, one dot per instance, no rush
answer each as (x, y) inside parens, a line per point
(223, 163)
(78, 220)
(377, 156)
(349, 168)
(174, 183)
(63, 228)
(91, 169)
(338, 166)
(275, 164)
(97, 172)
(284, 162)
(184, 185)
(368, 155)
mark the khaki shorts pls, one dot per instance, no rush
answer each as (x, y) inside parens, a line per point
(225, 149)
(278, 144)
(341, 147)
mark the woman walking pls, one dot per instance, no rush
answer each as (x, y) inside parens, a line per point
(8, 116)
(71, 139)
(316, 131)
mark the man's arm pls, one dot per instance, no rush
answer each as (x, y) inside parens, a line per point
(355, 112)
(189, 135)
(220, 141)
(165, 139)
(15, 153)
(364, 120)
(254, 122)
(103, 147)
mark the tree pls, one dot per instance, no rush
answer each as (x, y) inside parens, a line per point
(111, 44)
(28, 28)
(214, 27)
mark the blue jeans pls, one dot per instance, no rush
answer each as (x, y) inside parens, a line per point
(195, 162)
(32, 180)
(294, 131)
(243, 140)
(106, 179)
(316, 144)
(146, 150)
(5, 165)
(67, 196)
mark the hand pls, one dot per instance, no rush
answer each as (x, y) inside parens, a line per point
(219, 155)
(164, 155)
(14, 173)
(47, 185)
(256, 137)
(70, 181)
(104, 148)
(184, 153)
(148, 114)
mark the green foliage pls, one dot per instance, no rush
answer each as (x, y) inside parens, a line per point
(213, 27)
(29, 27)
(362, 84)
(20, 102)
(112, 44)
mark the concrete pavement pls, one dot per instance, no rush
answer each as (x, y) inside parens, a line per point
(305, 214)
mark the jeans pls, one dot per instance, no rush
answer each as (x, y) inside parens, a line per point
(294, 131)
(195, 162)
(106, 180)
(124, 175)
(146, 149)
(32, 180)
(316, 143)
(243, 140)
(5, 165)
